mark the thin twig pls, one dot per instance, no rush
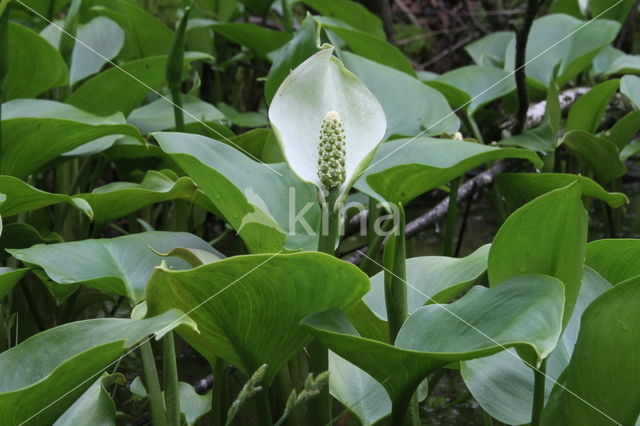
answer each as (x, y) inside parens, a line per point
(447, 52)
(403, 7)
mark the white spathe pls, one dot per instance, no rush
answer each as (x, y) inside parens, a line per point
(319, 85)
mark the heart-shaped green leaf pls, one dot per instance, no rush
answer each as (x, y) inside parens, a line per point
(489, 51)
(158, 115)
(33, 73)
(296, 51)
(124, 88)
(36, 131)
(624, 130)
(630, 87)
(354, 14)
(406, 168)
(259, 201)
(561, 40)
(623, 64)
(599, 153)
(479, 324)
(615, 259)
(23, 235)
(503, 385)
(431, 279)
(97, 42)
(594, 392)
(358, 391)
(541, 138)
(371, 47)
(248, 307)
(10, 277)
(545, 236)
(119, 265)
(259, 39)
(146, 35)
(22, 197)
(94, 406)
(478, 86)
(117, 199)
(46, 373)
(410, 106)
(587, 112)
(519, 188)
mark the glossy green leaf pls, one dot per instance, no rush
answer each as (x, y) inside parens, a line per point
(630, 150)
(605, 59)
(131, 158)
(490, 50)
(431, 279)
(146, 35)
(9, 277)
(608, 391)
(624, 64)
(624, 130)
(519, 188)
(481, 85)
(119, 265)
(358, 391)
(546, 236)
(373, 48)
(243, 119)
(605, 9)
(565, 41)
(587, 112)
(253, 197)
(477, 325)
(296, 51)
(540, 139)
(256, 38)
(406, 168)
(115, 90)
(503, 385)
(22, 235)
(630, 87)
(46, 373)
(94, 407)
(615, 259)
(258, 144)
(36, 131)
(22, 197)
(254, 304)
(599, 153)
(351, 13)
(100, 35)
(117, 199)
(98, 41)
(158, 115)
(410, 106)
(33, 73)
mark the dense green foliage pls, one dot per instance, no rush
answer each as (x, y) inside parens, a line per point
(173, 252)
